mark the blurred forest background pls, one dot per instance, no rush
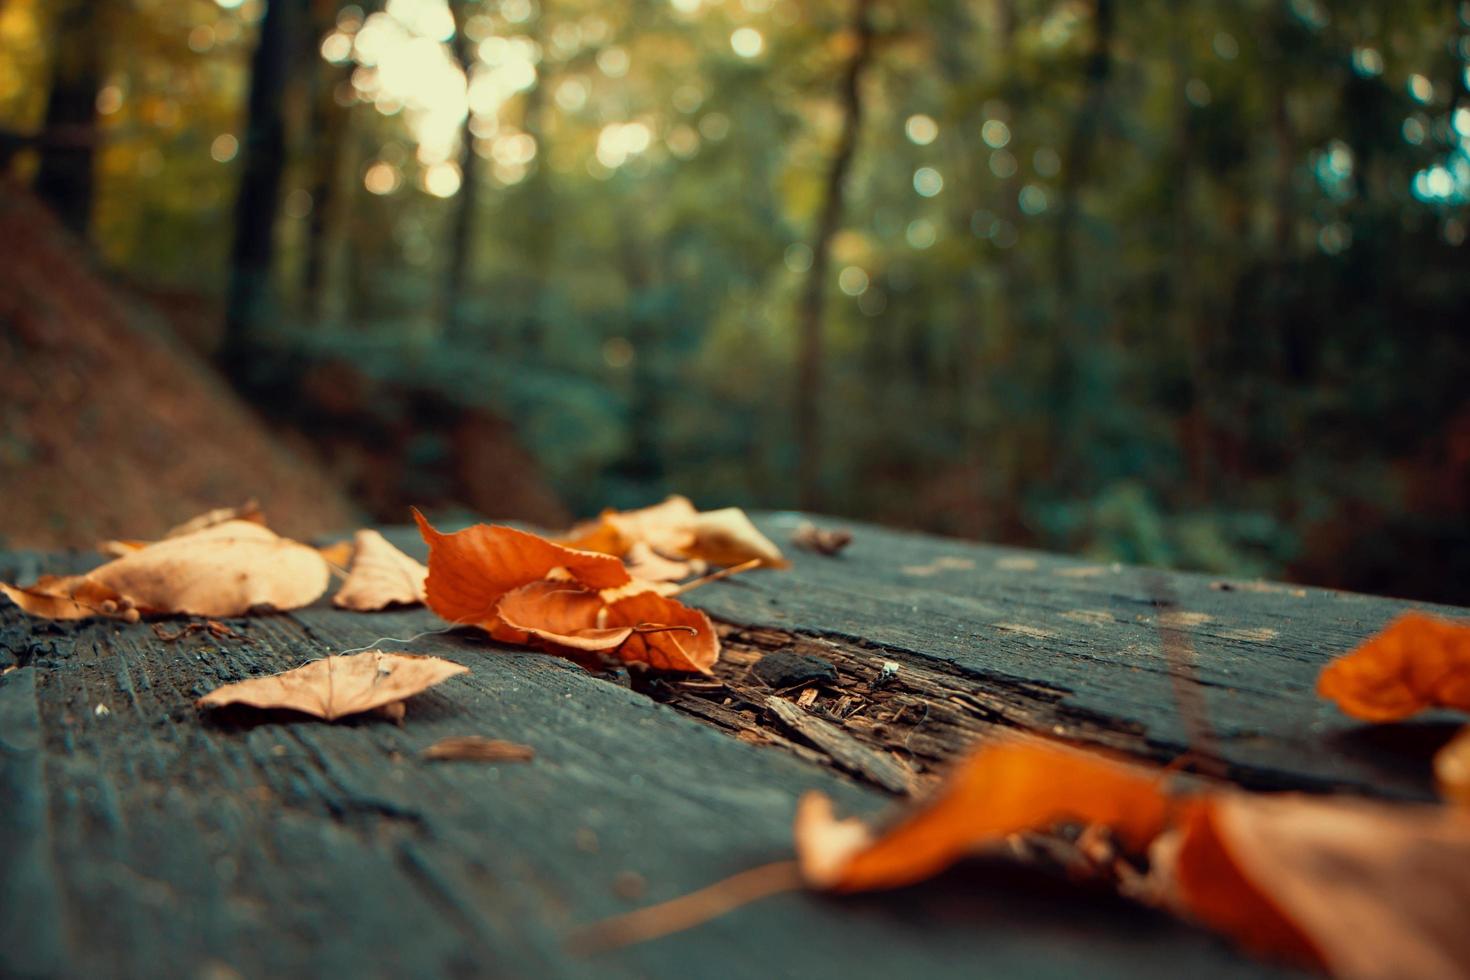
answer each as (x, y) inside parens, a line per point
(1162, 281)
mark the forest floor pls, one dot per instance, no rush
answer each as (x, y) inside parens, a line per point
(111, 428)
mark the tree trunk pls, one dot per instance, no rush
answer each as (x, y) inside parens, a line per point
(1075, 342)
(812, 304)
(1192, 330)
(65, 178)
(263, 159)
(461, 230)
(537, 194)
(328, 135)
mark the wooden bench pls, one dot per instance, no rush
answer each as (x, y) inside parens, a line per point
(139, 838)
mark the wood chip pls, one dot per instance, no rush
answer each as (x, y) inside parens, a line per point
(477, 748)
(844, 750)
(823, 541)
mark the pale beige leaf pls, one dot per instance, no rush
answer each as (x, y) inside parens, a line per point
(249, 511)
(380, 576)
(122, 546)
(727, 537)
(339, 686)
(648, 565)
(224, 570)
(1452, 769)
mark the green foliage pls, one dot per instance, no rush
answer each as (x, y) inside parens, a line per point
(1184, 311)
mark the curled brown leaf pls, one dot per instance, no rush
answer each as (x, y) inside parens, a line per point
(335, 687)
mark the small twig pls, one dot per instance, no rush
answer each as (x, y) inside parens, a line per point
(744, 566)
(690, 910)
(213, 626)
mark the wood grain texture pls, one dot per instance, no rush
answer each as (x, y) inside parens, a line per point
(151, 840)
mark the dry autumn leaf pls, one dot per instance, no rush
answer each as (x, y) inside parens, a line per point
(648, 565)
(224, 570)
(1452, 769)
(335, 687)
(1416, 662)
(667, 635)
(560, 613)
(478, 748)
(999, 790)
(1361, 889)
(663, 527)
(522, 589)
(380, 576)
(249, 511)
(470, 570)
(727, 537)
(338, 554)
(675, 529)
(123, 546)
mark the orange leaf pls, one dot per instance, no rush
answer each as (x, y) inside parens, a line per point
(1362, 889)
(1417, 662)
(338, 686)
(1213, 891)
(691, 645)
(598, 536)
(338, 553)
(560, 613)
(380, 576)
(470, 570)
(1000, 790)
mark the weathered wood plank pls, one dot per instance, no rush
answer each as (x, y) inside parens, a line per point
(149, 839)
(30, 928)
(1087, 637)
(276, 846)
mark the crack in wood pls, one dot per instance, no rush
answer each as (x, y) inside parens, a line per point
(898, 730)
(894, 730)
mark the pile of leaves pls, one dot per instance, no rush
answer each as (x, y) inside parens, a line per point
(608, 590)
(613, 598)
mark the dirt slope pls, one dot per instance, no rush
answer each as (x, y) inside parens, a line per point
(108, 428)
